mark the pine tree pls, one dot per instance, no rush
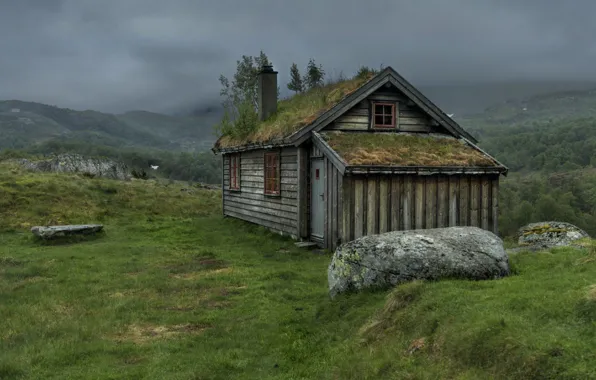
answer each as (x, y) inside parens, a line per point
(296, 83)
(314, 74)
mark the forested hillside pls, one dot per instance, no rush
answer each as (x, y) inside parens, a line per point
(549, 144)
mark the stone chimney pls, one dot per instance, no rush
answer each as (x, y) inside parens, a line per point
(267, 92)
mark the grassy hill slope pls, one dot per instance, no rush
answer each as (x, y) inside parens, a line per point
(173, 290)
(23, 124)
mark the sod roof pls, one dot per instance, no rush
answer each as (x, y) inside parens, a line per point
(399, 149)
(296, 112)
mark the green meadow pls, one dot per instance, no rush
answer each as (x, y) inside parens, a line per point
(171, 290)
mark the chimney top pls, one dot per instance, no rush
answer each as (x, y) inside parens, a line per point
(268, 69)
(267, 93)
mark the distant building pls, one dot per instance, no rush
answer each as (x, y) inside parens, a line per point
(377, 157)
(15, 110)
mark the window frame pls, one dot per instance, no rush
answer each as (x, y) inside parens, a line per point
(234, 175)
(393, 116)
(276, 191)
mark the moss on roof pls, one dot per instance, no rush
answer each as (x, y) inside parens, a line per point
(404, 150)
(296, 112)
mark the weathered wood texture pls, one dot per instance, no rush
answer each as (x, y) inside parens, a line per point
(250, 203)
(315, 152)
(410, 118)
(378, 204)
(333, 205)
(357, 206)
(303, 189)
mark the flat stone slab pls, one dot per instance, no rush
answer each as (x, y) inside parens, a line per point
(52, 232)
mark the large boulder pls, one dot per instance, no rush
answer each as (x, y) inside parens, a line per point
(395, 257)
(544, 235)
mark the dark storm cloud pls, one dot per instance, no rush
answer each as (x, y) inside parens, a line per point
(116, 55)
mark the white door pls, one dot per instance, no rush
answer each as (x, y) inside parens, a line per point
(317, 198)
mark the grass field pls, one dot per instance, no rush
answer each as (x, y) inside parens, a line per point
(173, 291)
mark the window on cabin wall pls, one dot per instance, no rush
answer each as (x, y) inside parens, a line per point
(235, 172)
(272, 173)
(383, 115)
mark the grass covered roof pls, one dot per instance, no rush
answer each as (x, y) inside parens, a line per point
(398, 149)
(296, 112)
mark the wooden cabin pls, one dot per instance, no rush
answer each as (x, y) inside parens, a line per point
(359, 157)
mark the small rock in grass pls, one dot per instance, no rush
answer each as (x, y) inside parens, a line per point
(53, 232)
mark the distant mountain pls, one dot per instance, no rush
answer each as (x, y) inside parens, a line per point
(25, 123)
(187, 132)
(525, 114)
(470, 99)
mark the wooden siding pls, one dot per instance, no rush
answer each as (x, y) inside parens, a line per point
(334, 201)
(303, 171)
(410, 118)
(378, 204)
(279, 213)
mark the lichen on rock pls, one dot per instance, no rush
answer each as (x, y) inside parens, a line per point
(400, 256)
(544, 235)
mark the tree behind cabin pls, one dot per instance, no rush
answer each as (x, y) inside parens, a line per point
(240, 97)
(314, 74)
(296, 84)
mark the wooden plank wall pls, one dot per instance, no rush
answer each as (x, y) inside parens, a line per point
(279, 213)
(333, 205)
(410, 117)
(378, 204)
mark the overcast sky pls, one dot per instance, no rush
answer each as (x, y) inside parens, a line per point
(116, 55)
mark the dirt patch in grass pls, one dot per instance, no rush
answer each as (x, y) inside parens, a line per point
(63, 309)
(417, 345)
(7, 262)
(231, 290)
(125, 293)
(176, 308)
(202, 274)
(133, 360)
(213, 304)
(196, 263)
(28, 281)
(141, 334)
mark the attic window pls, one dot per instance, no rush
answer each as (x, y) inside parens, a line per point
(272, 173)
(383, 115)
